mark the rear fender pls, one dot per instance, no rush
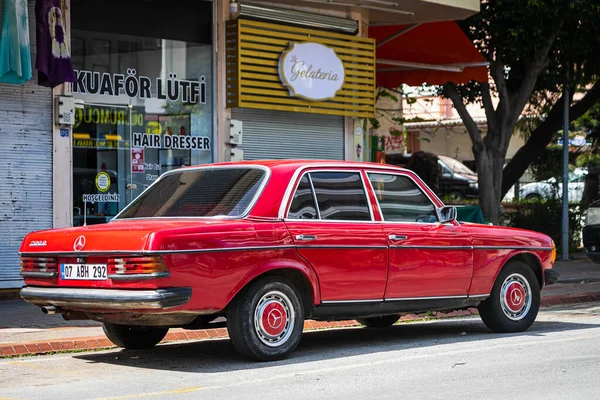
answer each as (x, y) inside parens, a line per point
(281, 264)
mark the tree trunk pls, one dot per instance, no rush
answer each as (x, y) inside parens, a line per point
(489, 176)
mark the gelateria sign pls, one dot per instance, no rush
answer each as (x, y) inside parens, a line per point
(172, 88)
(311, 71)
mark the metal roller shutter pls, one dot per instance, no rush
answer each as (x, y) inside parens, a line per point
(25, 165)
(279, 134)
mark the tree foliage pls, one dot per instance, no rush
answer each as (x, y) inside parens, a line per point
(534, 48)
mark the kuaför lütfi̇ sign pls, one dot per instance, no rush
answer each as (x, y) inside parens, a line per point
(311, 71)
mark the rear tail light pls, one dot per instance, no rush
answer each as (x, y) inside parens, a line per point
(137, 268)
(39, 267)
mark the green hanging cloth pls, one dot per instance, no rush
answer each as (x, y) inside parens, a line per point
(15, 52)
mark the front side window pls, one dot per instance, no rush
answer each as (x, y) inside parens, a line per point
(400, 199)
(341, 196)
(199, 193)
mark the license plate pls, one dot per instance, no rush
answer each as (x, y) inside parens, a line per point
(88, 272)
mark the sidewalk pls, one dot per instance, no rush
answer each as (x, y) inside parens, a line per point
(25, 330)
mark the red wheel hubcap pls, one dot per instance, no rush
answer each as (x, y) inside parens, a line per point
(515, 297)
(274, 318)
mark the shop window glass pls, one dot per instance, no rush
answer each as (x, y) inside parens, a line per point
(400, 199)
(341, 196)
(146, 104)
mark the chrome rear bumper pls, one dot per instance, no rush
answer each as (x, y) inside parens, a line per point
(115, 299)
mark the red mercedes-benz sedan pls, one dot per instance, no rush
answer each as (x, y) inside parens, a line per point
(269, 244)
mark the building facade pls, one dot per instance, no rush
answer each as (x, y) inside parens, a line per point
(163, 86)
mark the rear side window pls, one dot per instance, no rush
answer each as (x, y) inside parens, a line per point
(400, 199)
(303, 205)
(341, 196)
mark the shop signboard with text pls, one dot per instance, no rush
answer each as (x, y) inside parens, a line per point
(311, 71)
(280, 67)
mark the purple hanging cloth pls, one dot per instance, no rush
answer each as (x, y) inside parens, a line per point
(53, 60)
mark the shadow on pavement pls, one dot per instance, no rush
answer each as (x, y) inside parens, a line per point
(215, 356)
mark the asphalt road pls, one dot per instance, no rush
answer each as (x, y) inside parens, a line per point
(558, 358)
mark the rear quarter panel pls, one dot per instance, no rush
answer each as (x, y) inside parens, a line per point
(217, 265)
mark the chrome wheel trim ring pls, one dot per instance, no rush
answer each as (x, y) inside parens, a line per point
(515, 297)
(268, 330)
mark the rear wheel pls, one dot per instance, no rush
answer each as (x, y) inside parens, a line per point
(266, 319)
(134, 337)
(514, 302)
(379, 322)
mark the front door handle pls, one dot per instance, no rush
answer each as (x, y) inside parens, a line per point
(306, 237)
(397, 237)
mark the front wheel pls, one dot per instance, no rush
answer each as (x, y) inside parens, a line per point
(134, 337)
(514, 302)
(266, 319)
(379, 322)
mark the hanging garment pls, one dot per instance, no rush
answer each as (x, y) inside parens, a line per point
(53, 60)
(15, 56)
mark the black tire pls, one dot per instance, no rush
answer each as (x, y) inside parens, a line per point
(134, 337)
(514, 301)
(379, 322)
(266, 298)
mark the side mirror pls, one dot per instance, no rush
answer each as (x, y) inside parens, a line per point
(447, 214)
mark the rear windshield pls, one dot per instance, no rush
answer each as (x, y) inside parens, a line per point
(199, 193)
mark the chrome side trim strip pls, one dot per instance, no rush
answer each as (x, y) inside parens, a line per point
(351, 301)
(424, 298)
(479, 296)
(511, 248)
(136, 277)
(285, 247)
(38, 274)
(349, 247)
(431, 247)
(150, 252)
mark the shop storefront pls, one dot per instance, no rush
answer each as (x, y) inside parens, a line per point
(144, 101)
(293, 88)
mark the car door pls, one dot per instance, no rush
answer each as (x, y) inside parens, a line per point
(331, 223)
(427, 258)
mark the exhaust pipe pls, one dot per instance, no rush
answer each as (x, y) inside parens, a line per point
(49, 310)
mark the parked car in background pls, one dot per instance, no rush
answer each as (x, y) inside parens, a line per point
(548, 188)
(457, 181)
(591, 232)
(268, 244)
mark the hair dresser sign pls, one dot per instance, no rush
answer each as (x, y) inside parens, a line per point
(311, 71)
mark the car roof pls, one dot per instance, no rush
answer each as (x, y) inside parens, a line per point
(294, 164)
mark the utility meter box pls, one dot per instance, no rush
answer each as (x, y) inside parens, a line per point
(235, 132)
(65, 110)
(236, 154)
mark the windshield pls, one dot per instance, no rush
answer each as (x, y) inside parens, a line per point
(199, 193)
(456, 165)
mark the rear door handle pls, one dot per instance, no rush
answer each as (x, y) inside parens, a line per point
(397, 237)
(306, 237)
